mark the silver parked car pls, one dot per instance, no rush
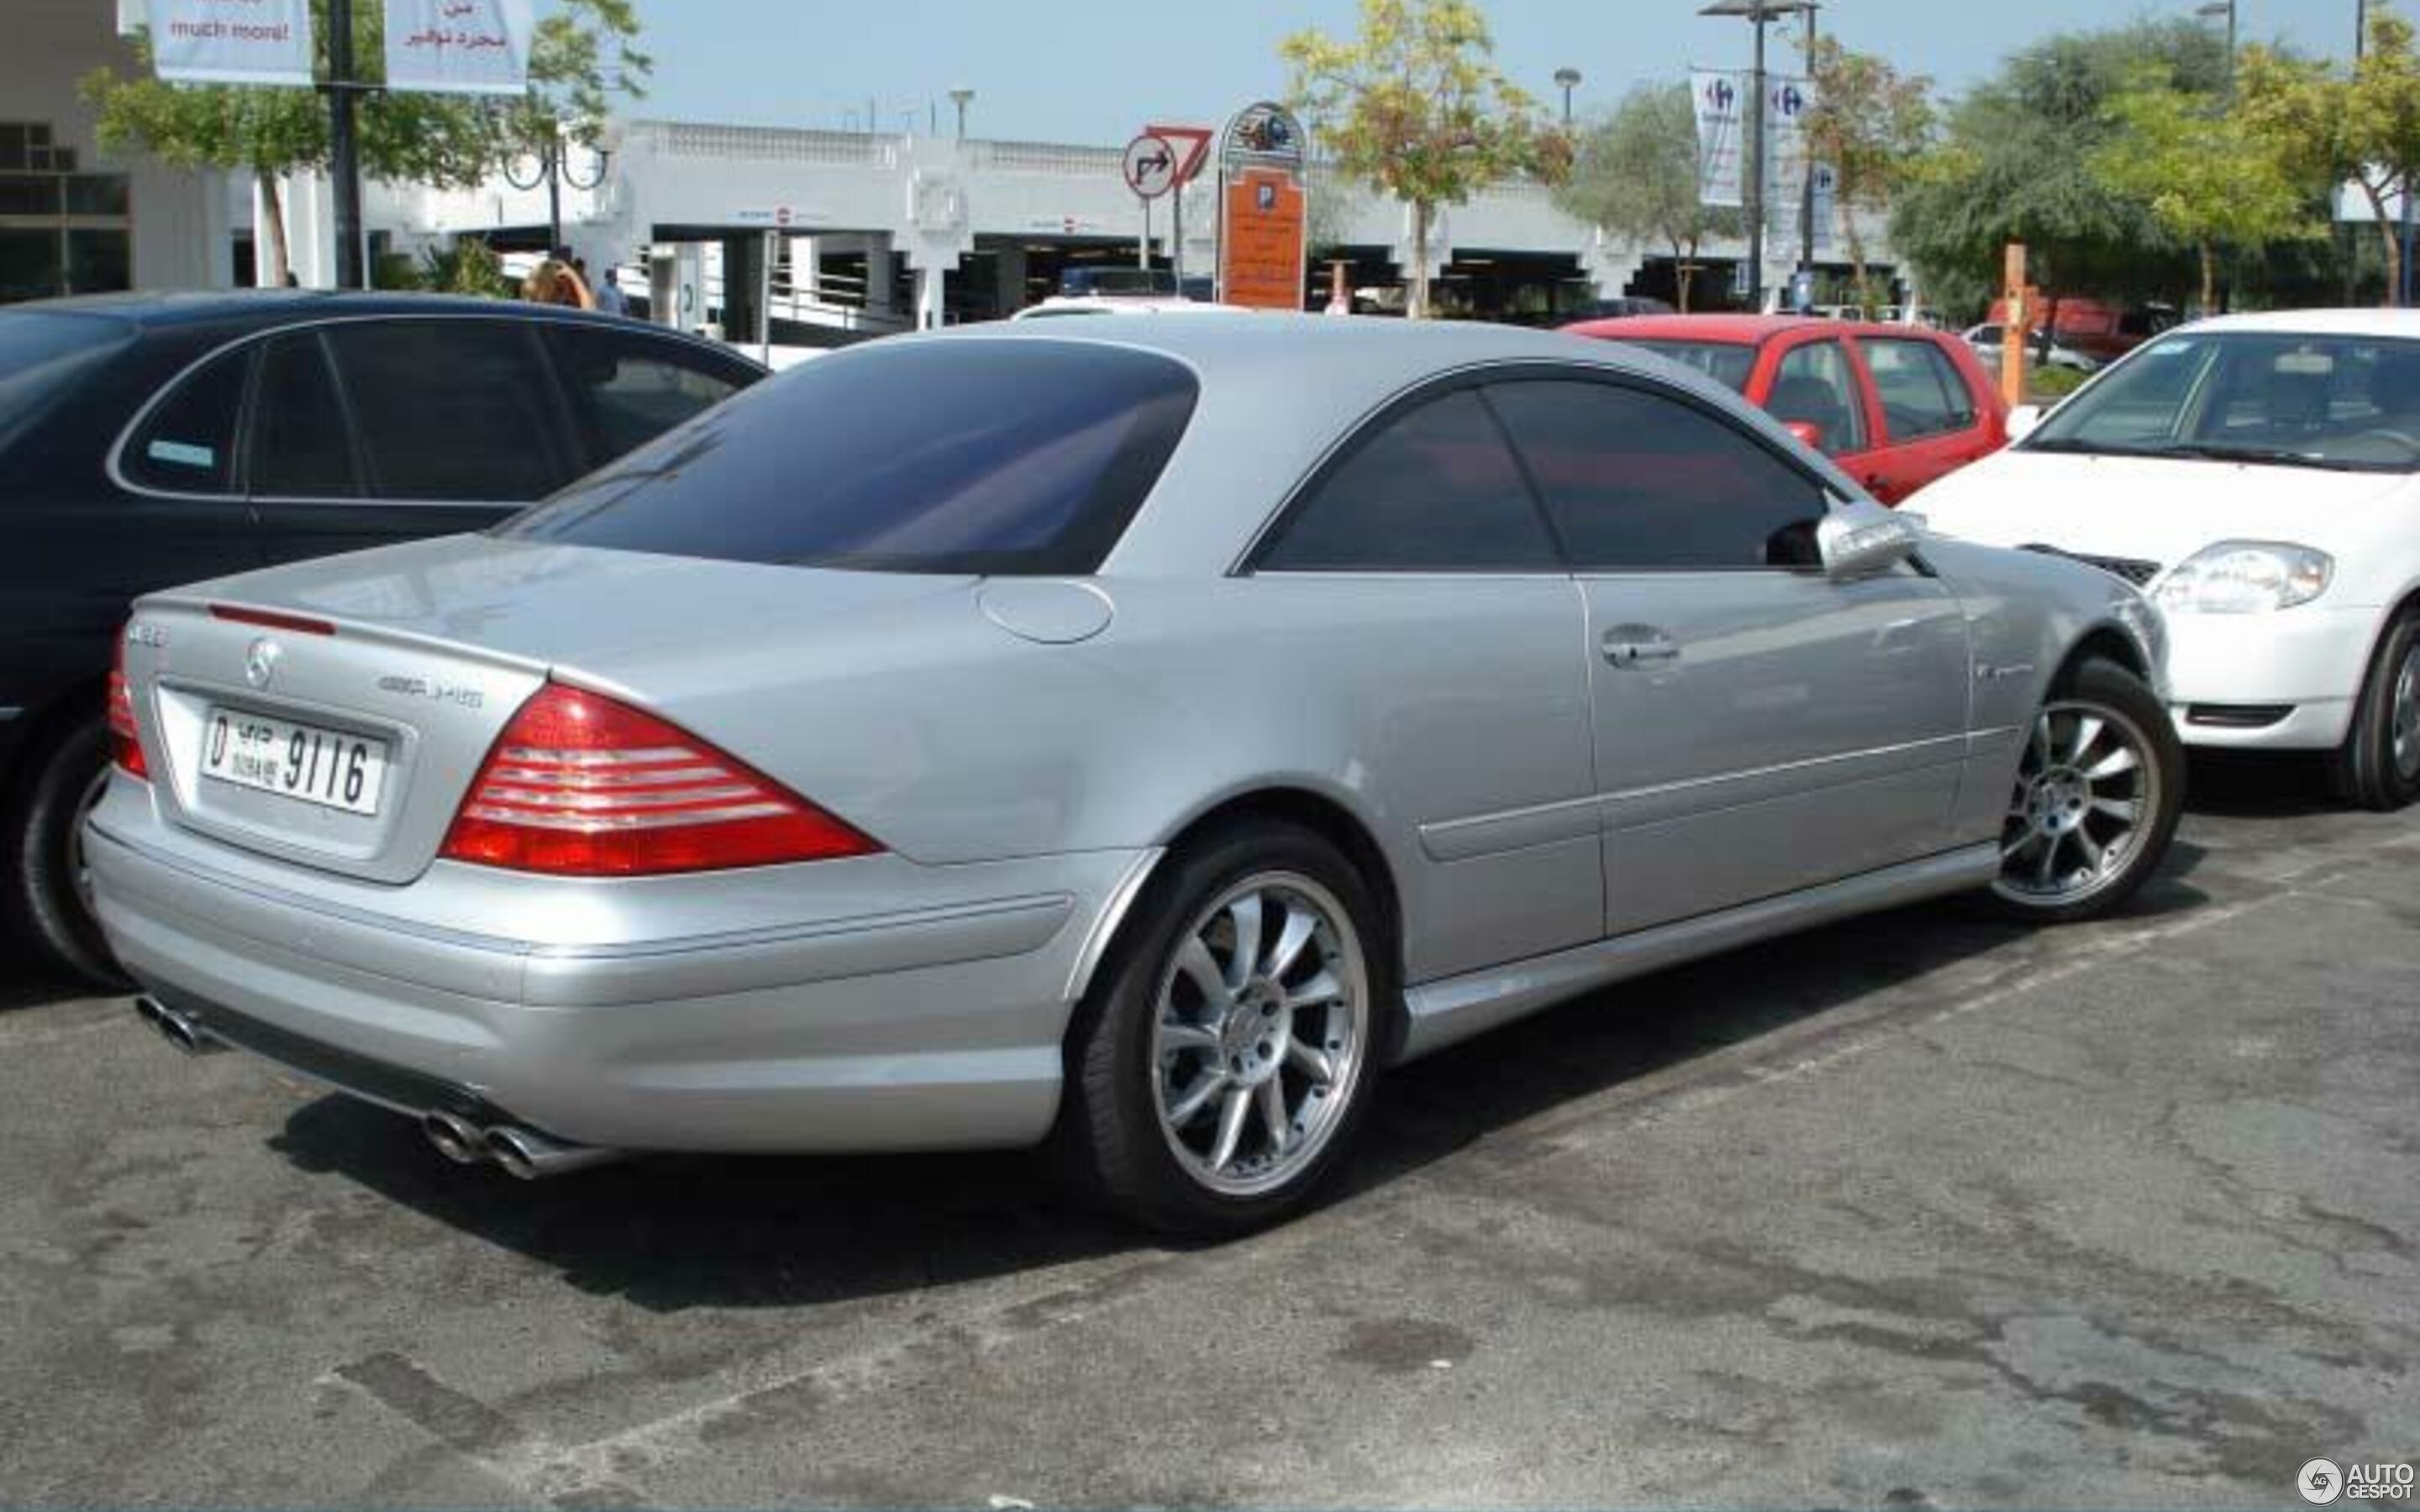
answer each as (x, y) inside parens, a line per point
(1132, 734)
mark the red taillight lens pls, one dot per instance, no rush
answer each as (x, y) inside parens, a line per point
(580, 785)
(125, 748)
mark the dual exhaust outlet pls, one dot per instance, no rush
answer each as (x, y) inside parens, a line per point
(523, 1152)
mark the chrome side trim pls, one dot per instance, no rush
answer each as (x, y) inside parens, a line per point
(1456, 1008)
(1950, 748)
(1105, 924)
(9, 711)
(1514, 830)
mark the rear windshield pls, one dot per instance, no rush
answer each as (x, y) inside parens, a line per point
(1000, 456)
(1727, 364)
(42, 353)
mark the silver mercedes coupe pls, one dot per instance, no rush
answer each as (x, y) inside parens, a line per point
(1131, 736)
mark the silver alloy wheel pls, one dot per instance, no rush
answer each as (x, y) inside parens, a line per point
(80, 870)
(1259, 1031)
(2404, 716)
(2087, 788)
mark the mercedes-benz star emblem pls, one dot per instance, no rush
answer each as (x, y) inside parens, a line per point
(260, 662)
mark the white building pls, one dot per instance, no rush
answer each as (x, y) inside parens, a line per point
(845, 232)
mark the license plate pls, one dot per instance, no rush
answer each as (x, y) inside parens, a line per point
(328, 768)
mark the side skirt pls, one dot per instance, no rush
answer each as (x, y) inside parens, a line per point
(1455, 1007)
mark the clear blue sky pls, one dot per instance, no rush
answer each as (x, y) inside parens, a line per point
(1093, 70)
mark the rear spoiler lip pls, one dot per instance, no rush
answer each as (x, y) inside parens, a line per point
(358, 629)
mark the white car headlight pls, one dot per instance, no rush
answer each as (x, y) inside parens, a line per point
(2246, 578)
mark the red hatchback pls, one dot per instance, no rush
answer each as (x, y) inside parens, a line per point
(1895, 406)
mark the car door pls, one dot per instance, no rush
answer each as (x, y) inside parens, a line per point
(1812, 383)
(1929, 422)
(371, 431)
(1759, 728)
(1413, 592)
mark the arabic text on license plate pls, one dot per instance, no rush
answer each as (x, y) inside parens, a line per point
(327, 768)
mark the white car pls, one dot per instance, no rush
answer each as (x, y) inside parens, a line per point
(2259, 477)
(1986, 340)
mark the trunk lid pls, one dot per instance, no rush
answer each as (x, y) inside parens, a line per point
(333, 712)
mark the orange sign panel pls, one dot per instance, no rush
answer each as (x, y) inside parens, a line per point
(1261, 249)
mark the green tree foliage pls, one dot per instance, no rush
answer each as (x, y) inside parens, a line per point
(2335, 126)
(1415, 107)
(2017, 165)
(2209, 175)
(1636, 173)
(448, 141)
(1871, 124)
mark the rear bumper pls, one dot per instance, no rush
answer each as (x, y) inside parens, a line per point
(2309, 661)
(901, 1027)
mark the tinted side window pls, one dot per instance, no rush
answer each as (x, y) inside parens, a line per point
(1637, 481)
(1435, 489)
(188, 443)
(457, 409)
(1813, 384)
(627, 390)
(1922, 394)
(299, 447)
(1023, 457)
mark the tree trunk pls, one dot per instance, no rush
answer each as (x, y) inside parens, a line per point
(1857, 268)
(1684, 261)
(2390, 235)
(272, 211)
(2208, 280)
(1418, 308)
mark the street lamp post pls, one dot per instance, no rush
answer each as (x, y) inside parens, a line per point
(1758, 13)
(554, 171)
(2226, 8)
(1570, 80)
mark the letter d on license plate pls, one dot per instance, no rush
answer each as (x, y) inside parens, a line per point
(326, 767)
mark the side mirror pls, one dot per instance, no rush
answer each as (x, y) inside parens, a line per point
(1806, 431)
(2022, 420)
(1860, 539)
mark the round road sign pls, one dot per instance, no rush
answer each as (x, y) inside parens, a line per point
(1150, 166)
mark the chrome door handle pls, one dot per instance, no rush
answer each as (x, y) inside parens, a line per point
(1632, 645)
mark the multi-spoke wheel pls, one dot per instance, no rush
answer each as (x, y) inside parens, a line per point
(2095, 801)
(2379, 766)
(1226, 1052)
(1263, 1013)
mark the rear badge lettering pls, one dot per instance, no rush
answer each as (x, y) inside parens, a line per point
(422, 687)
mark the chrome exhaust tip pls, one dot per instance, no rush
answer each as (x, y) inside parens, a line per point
(533, 1156)
(456, 1138)
(175, 1028)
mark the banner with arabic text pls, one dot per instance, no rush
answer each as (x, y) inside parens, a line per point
(466, 46)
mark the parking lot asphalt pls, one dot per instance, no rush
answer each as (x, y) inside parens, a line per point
(1915, 1211)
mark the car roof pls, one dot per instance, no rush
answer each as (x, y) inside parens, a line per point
(265, 309)
(2404, 323)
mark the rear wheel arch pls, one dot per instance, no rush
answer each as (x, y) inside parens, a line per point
(1322, 815)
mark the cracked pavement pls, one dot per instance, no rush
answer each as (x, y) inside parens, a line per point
(1915, 1211)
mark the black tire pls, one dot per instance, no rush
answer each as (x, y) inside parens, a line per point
(46, 856)
(2368, 772)
(2054, 818)
(1109, 1140)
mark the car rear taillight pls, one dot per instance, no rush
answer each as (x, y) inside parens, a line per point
(125, 747)
(580, 785)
